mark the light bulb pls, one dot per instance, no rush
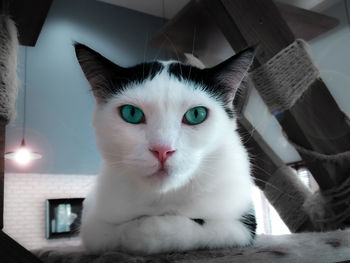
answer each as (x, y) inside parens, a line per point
(23, 155)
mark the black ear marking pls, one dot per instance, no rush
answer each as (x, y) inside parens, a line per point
(227, 76)
(98, 70)
(221, 81)
(107, 78)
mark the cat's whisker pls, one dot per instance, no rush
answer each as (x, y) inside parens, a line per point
(211, 158)
(159, 50)
(144, 56)
(247, 134)
(193, 43)
(266, 182)
(254, 166)
(276, 188)
(175, 51)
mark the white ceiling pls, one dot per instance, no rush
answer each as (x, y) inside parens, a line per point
(151, 7)
(315, 5)
(171, 7)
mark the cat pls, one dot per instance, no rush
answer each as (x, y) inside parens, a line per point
(175, 175)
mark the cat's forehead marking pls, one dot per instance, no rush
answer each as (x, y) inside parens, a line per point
(165, 88)
(173, 85)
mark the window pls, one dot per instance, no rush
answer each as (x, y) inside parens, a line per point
(63, 217)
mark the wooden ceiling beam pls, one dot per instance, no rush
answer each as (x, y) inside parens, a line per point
(29, 16)
(212, 43)
(304, 23)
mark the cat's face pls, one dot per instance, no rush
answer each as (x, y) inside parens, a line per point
(158, 123)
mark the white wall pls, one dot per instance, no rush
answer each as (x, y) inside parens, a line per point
(24, 209)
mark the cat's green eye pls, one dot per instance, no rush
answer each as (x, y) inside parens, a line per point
(195, 115)
(131, 114)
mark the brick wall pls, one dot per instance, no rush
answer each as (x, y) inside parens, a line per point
(25, 208)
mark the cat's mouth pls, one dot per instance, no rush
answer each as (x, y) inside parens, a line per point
(161, 173)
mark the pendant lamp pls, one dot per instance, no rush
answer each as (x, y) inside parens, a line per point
(23, 155)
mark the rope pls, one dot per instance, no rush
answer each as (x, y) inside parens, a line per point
(321, 206)
(285, 77)
(8, 68)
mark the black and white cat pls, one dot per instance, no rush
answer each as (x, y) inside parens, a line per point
(175, 175)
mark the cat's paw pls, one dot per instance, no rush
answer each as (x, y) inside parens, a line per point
(156, 234)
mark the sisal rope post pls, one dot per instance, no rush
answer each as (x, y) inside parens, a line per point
(8, 68)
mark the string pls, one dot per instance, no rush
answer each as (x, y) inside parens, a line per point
(164, 22)
(25, 94)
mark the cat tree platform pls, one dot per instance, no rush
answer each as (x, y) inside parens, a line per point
(303, 247)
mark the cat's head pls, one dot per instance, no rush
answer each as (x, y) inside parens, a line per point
(160, 123)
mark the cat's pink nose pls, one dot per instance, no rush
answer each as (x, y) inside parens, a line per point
(162, 152)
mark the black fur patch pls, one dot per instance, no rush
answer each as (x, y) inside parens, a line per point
(198, 221)
(274, 252)
(221, 81)
(249, 221)
(333, 243)
(186, 72)
(201, 77)
(203, 80)
(107, 78)
(136, 74)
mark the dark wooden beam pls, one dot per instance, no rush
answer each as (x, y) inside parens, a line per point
(317, 123)
(317, 169)
(306, 24)
(12, 252)
(212, 43)
(260, 22)
(29, 16)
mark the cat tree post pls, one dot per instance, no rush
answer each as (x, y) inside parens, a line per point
(10, 250)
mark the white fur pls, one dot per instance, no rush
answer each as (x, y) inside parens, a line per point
(209, 174)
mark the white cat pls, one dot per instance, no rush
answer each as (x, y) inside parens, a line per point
(175, 174)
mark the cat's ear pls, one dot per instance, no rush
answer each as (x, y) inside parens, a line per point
(229, 74)
(98, 70)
